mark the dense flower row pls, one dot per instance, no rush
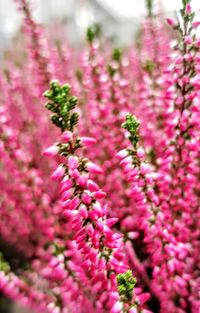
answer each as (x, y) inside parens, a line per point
(102, 213)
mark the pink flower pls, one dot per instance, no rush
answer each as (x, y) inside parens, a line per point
(140, 153)
(66, 184)
(66, 136)
(196, 24)
(117, 307)
(188, 8)
(188, 40)
(99, 194)
(51, 151)
(88, 141)
(171, 22)
(72, 162)
(58, 173)
(86, 198)
(111, 221)
(122, 154)
(94, 168)
(92, 186)
(133, 310)
(143, 297)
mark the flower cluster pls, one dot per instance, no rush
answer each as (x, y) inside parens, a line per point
(100, 201)
(101, 249)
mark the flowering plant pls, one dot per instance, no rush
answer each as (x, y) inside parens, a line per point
(100, 201)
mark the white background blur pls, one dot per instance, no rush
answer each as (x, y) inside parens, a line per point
(119, 16)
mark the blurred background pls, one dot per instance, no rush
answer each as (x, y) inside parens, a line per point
(119, 19)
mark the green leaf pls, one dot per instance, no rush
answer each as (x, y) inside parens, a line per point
(56, 121)
(72, 103)
(73, 120)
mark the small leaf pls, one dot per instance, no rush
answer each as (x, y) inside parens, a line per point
(73, 120)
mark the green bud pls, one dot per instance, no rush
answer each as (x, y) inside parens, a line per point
(117, 54)
(126, 283)
(149, 6)
(111, 70)
(4, 266)
(73, 120)
(149, 66)
(93, 32)
(132, 125)
(61, 104)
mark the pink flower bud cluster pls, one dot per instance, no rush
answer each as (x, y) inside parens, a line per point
(101, 250)
(108, 99)
(17, 290)
(75, 225)
(171, 201)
